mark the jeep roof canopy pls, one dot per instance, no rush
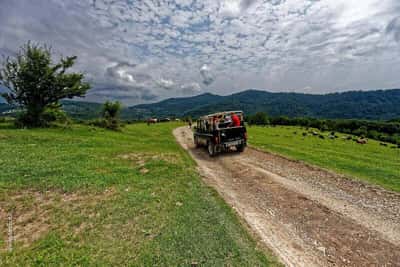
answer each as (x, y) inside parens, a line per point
(206, 123)
(221, 114)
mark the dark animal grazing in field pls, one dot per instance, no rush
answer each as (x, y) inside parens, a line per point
(151, 121)
(361, 141)
(321, 136)
(349, 137)
(383, 144)
(304, 134)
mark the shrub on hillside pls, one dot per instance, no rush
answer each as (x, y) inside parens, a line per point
(260, 118)
(109, 117)
(110, 114)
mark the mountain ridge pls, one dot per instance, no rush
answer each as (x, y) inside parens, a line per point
(376, 105)
(372, 105)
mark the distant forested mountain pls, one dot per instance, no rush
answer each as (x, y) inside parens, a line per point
(371, 105)
(75, 109)
(82, 110)
(374, 105)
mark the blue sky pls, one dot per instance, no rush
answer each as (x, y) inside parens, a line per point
(144, 51)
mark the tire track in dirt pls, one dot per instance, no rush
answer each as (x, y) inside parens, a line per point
(308, 216)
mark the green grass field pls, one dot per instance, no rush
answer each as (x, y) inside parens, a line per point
(371, 162)
(88, 196)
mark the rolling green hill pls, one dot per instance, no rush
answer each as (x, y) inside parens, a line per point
(82, 110)
(374, 105)
(75, 109)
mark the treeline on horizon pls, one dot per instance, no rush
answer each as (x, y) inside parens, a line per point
(385, 131)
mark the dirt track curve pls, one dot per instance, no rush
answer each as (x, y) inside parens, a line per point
(306, 215)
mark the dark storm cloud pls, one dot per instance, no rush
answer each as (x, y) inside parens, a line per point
(207, 75)
(393, 28)
(119, 92)
(277, 2)
(113, 71)
(247, 3)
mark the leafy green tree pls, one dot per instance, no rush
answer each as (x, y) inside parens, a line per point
(36, 83)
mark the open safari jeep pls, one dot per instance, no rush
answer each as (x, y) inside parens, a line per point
(218, 132)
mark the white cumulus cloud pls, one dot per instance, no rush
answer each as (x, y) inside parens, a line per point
(166, 84)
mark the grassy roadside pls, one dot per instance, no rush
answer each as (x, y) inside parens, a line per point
(87, 196)
(371, 162)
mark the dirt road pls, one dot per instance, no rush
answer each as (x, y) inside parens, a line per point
(307, 216)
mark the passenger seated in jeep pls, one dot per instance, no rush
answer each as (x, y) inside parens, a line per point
(235, 120)
(225, 121)
(215, 123)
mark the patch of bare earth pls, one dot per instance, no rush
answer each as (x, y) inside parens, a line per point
(33, 213)
(308, 216)
(140, 159)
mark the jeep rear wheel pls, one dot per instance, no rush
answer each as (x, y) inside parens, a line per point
(240, 148)
(211, 149)
(196, 142)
